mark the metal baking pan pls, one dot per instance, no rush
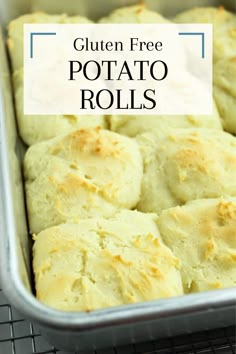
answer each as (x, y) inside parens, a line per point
(102, 328)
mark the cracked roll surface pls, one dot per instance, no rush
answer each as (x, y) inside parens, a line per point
(100, 263)
(184, 165)
(91, 172)
(202, 234)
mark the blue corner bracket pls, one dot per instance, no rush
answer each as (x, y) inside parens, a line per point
(32, 34)
(202, 34)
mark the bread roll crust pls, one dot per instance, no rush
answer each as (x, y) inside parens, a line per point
(184, 165)
(224, 91)
(90, 172)
(134, 14)
(101, 263)
(202, 234)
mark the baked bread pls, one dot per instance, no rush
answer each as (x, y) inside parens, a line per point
(202, 234)
(16, 32)
(101, 263)
(134, 14)
(91, 172)
(134, 125)
(214, 15)
(224, 28)
(184, 165)
(35, 128)
(225, 92)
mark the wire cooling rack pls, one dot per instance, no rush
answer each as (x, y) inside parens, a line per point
(18, 336)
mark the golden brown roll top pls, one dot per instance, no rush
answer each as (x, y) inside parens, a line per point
(101, 263)
(91, 172)
(202, 234)
(184, 165)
